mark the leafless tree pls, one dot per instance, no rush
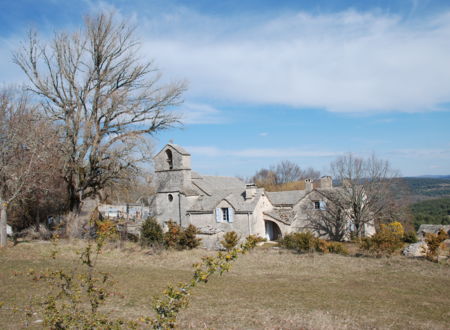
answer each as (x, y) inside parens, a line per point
(287, 171)
(282, 175)
(24, 143)
(330, 219)
(104, 97)
(365, 192)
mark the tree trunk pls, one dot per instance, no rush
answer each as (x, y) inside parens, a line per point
(74, 198)
(3, 223)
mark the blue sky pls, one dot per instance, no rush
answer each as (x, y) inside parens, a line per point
(305, 81)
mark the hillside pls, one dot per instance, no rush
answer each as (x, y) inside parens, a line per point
(423, 188)
(434, 211)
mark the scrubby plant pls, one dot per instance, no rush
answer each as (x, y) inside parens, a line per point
(151, 233)
(434, 243)
(173, 235)
(230, 240)
(337, 247)
(410, 237)
(189, 238)
(387, 240)
(307, 242)
(255, 239)
(301, 242)
(179, 238)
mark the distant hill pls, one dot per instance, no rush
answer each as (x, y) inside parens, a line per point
(435, 176)
(428, 187)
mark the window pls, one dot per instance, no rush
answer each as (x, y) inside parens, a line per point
(170, 197)
(319, 205)
(225, 214)
(169, 159)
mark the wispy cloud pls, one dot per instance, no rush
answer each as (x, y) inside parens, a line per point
(197, 113)
(434, 153)
(343, 62)
(211, 151)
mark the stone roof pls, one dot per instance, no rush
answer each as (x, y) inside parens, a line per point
(176, 148)
(217, 184)
(214, 189)
(285, 197)
(285, 216)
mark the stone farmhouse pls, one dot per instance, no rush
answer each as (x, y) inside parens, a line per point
(216, 204)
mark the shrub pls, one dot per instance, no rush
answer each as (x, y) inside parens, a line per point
(188, 238)
(178, 238)
(230, 240)
(254, 239)
(386, 241)
(301, 242)
(410, 237)
(433, 243)
(173, 235)
(338, 248)
(151, 233)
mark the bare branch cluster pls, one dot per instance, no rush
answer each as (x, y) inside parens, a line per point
(104, 98)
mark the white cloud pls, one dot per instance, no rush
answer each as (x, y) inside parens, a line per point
(263, 134)
(260, 152)
(431, 153)
(197, 113)
(343, 62)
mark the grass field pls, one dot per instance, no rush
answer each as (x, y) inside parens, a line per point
(268, 288)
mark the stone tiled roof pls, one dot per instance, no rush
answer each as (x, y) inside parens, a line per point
(285, 197)
(285, 216)
(217, 184)
(177, 148)
(214, 189)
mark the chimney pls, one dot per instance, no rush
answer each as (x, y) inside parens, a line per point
(308, 185)
(250, 190)
(326, 182)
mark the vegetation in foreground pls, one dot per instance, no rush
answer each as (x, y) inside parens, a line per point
(267, 288)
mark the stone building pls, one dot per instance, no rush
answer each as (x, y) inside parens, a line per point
(216, 204)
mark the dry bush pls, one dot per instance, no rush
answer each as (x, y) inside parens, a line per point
(386, 241)
(180, 238)
(42, 233)
(434, 242)
(230, 240)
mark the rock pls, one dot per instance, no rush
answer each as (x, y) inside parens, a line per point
(418, 249)
(9, 230)
(433, 229)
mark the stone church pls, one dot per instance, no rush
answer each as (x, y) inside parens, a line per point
(216, 204)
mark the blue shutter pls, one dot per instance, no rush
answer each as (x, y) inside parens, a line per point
(230, 214)
(218, 215)
(323, 205)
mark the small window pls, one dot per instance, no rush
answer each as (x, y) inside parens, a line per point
(317, 205)
(225, 214)
(169, 159)
(170, 197)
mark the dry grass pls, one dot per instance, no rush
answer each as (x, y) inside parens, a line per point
(269, 288)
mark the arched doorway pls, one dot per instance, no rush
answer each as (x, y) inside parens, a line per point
(273, 232)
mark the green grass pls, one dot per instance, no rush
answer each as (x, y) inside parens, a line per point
(268, 288)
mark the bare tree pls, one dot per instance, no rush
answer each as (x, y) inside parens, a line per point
(329, 219)
(287, 171)
(364, 195)
(282, 176)
(105, 98)
(24, 141)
